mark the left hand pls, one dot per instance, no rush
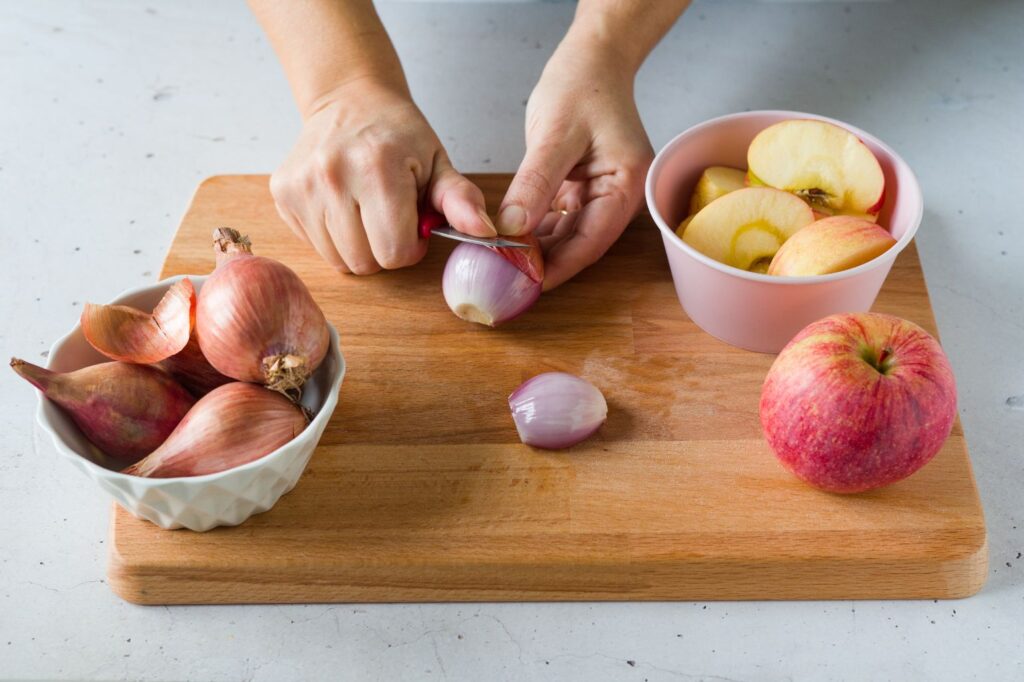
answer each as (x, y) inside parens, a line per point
(582, 179)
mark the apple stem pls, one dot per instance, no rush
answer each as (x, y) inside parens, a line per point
(882, 362)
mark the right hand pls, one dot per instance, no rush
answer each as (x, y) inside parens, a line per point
(351, 185)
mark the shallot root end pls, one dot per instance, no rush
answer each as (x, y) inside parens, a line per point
(286, 373)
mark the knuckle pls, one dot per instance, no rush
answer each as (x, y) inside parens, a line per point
(281, 186)
(325, 170)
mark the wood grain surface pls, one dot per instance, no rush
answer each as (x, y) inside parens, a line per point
(421, 491)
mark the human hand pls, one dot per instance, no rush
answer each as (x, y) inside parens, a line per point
(582, 179)
(351, 185)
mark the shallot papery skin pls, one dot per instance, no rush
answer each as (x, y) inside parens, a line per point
(124, 333)
(256, 320)
(231, 425)
(193, 371)
(481, 285)
(124, 409)
(557, 410)
(528, 261)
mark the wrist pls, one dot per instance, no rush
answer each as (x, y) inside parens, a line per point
(364, 88)
(595, 43)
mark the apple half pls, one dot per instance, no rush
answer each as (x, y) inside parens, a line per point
(747, 226)
(715, 182)
(823, 164)
(830, 245)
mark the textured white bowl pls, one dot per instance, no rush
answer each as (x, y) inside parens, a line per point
(199, 503)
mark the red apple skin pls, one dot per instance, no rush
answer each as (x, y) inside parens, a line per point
(877, 208)
(839, 423)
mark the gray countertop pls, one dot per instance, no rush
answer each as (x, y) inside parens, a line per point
(112, 112)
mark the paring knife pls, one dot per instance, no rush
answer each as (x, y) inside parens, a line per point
(433, 223)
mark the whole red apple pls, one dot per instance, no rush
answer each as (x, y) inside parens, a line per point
(857, 401)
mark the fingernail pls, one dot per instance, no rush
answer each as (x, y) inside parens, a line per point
(487, 221)
(511, 220)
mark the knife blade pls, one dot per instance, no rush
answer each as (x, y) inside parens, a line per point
(433, 223)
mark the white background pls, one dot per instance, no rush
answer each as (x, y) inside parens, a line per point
(112, 112)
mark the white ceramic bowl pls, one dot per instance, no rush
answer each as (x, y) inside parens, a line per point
(761, 312)
(199, 503)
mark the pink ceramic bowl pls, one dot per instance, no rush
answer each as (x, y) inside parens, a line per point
(761, 312)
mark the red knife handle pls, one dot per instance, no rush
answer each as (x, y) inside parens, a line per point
(429, 219)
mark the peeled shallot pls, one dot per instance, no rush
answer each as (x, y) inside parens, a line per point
(556, 410)
(490, 286)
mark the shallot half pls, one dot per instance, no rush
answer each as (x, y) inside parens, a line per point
(256, 320)
(490, 286)
(124, 333)
(557, 410)
(231, 425)
(124, 409)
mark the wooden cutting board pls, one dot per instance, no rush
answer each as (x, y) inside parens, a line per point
(421, 491)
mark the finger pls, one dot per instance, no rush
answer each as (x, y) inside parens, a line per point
(547, 225)
(529, 197)
(598, 225)
(571, 196)
(387, 204)
(574, 194)
(293, 223)
(314, 225)
(564, 223)
(461, 202)
(346, 233)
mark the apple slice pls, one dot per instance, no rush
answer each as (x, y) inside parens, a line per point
(683, 225)
(747, 225)
(819, 211)
(715, 182)
(831, 245)
(823, 164)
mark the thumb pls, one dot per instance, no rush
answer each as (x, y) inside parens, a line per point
(461, 202)
(534, 186)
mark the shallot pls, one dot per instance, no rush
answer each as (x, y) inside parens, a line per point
(124, 409)
(256, 320)
(490, 286)
(124, 333)
(191, 368)
(231, 425)
(557, 410)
